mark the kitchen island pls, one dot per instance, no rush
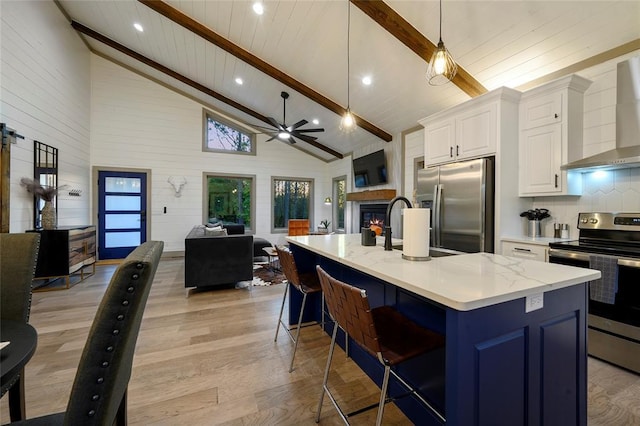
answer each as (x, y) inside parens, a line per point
(515, 329)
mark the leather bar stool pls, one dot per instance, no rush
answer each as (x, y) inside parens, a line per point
(306, 283)
(383, 332)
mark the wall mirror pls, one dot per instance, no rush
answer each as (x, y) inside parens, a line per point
(45, 171)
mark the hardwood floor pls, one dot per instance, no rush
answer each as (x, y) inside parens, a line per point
(210, 359)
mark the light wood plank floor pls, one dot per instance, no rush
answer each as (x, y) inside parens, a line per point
(210, 359)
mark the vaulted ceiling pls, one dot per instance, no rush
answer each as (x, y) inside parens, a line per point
(200, 47)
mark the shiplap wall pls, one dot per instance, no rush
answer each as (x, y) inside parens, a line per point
(137, 123)
(45, 96)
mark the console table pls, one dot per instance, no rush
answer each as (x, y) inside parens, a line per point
(64, 252)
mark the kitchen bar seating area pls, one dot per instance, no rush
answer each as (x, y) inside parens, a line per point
(201, 372)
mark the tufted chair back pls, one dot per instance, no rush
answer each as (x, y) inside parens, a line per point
(99, 390)
(18, 256)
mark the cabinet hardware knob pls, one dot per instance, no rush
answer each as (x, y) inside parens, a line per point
(555, 115)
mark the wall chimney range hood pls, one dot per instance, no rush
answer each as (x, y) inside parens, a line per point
(627, 151)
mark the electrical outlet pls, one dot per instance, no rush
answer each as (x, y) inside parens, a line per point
(534, 302)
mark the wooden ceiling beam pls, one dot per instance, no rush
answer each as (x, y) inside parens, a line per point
(171, 73)
(206, 33)
(398, 27)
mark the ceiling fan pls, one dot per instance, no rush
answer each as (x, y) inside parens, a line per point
(286, 133)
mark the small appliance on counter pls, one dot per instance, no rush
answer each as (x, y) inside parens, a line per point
(368, 237)
(535, 216)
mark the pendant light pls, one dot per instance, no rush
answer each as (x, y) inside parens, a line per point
(442, 68)
(348, 122)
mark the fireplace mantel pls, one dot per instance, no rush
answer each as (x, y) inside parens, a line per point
(372, 195)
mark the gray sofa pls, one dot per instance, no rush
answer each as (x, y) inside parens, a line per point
(217, 260)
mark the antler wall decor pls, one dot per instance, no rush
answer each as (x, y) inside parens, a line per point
(177, 183)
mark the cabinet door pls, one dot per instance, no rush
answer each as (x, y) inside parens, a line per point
(438, 142)
(540, 160)
(541, 111)
(476, 132)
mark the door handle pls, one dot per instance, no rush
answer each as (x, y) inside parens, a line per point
(451, 151)
(556, 180)
(457, 150)
(143, 215)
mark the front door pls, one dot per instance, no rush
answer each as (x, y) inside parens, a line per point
(122, 213)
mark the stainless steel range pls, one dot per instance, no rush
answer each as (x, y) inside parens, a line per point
(609, 242)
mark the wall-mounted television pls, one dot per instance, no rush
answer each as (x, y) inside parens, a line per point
(370, 170)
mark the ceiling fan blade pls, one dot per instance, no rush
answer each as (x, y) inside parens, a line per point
(310, 130)
(304, 137)
(273, 121)
(272, 138)
(298, 124)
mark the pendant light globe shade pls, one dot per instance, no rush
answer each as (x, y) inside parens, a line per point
(442, 68)
(348, 122)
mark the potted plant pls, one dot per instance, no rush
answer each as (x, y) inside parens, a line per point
(324, 226)
(47, 194)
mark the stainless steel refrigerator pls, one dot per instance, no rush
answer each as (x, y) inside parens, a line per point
(460, 196)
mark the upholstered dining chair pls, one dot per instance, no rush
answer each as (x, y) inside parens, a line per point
(99, 392)
(18, 257)
(306, 283)
(383, 332)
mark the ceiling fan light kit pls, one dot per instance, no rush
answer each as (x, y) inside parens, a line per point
(442, 68)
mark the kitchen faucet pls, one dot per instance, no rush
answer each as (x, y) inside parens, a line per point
(387, 221)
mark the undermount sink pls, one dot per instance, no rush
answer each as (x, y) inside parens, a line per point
(433, 252)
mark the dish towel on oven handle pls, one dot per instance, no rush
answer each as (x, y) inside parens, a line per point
(604, 289)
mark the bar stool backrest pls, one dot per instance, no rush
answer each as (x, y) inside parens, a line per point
(288, 265)
(349, 307)
(18, 258)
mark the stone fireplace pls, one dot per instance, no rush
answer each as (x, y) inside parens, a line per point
(372, 214)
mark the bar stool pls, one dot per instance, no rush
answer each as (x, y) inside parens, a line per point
(383, 332)
(306, 283)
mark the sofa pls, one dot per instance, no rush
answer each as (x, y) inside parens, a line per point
(215, 260)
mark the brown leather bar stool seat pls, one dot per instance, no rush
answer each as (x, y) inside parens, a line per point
(383, 332)
(306, 283)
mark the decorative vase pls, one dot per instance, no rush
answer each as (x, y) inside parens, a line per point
(48, 218)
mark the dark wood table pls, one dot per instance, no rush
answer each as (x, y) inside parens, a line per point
(13, 358)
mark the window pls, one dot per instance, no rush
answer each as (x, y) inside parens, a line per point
(230, 199)
(339, 201)
(223, 136)
(291, 200)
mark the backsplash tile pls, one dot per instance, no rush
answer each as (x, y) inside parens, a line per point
(603, 191)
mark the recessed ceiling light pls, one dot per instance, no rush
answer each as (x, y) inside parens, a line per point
(366, 80)
(258, 8)
(138, 27)
(239, 81)
(315, 121)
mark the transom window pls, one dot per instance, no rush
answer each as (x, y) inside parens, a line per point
(223, 136)
(230, 199)
(291, 200)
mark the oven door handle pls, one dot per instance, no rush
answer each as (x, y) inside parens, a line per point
(563, 254)
(631, 263)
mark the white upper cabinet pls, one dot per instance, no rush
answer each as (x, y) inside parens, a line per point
(469, 130)
(550, 136)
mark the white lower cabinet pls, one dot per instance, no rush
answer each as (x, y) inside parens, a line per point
(526, 251)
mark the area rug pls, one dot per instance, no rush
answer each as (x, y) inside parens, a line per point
(263, 275)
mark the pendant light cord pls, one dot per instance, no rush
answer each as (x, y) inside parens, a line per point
(348, 53)
(440, 34)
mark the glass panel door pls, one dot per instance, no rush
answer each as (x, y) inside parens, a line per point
(122, 213)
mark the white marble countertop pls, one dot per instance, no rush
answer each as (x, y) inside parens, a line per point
(462, 282)
(542, 241)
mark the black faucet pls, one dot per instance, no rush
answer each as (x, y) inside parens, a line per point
(387, 221)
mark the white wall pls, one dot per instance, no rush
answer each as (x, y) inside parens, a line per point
(137, 123)
(609, 191)
(45, 96)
